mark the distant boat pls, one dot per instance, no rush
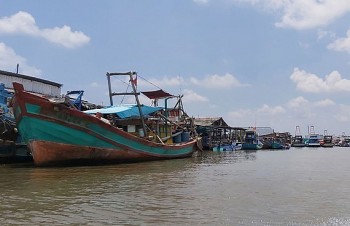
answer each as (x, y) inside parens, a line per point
(344, 141)
(238, 146)
(224, 147)
(277, 144)
(251, 141)
(328, 141)
(233, 146)
(58, 135)
(313, 141)
(298, 140)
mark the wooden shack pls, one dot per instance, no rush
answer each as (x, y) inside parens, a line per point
(216, 131)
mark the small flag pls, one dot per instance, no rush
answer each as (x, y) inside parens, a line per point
(134, 80)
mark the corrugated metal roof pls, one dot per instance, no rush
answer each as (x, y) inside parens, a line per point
(30, 78)
(210, 121)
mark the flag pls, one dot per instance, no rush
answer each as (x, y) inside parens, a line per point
(134, 80)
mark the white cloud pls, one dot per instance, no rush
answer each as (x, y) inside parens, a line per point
(168, 82)
(309, 82)
(341, 44)
(9, 60)
(191, 97)
(95, 85)
(301, 14)
(324, 103)
(24, 23)
(343, 115)
(217, 81)
(263, 116)
(266, 109)
(322, 34)
(297, 102)
(201, 2)
(305, 14)
(241, 113)
(65, 36)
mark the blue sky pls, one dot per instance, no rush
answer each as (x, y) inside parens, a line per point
(271, 63)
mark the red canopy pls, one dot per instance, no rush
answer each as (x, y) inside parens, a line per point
(156, 94)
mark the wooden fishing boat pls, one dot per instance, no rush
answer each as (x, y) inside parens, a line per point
(59, 135)
(298, 140)
(327, 141)
(251, 141)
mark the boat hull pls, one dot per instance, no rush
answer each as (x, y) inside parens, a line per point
(52, 154)
(314, 145)
(224, 148)
(247, 146)
(327, 145)
(275, 145)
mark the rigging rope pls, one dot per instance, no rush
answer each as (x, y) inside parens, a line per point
(125, 92)
(149, 81)
(139, 76)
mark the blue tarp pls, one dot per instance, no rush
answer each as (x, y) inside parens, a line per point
(125, 111)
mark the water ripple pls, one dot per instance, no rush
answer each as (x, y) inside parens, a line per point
(295, 187)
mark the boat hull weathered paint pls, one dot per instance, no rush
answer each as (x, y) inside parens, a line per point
(58, 134)
(249, 146)
(277, 145)
(51, 153)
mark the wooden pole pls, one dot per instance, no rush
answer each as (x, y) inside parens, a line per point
(109, 88)
(138, 103)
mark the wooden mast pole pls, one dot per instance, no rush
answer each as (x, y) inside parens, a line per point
(135, 93)
(109, 88)
(138, 102)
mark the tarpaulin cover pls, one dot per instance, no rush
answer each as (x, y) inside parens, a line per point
(125, 111)
(157, 94)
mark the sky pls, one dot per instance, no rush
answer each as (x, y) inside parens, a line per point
(264, 63)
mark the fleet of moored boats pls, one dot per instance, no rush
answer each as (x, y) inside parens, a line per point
(58, 132)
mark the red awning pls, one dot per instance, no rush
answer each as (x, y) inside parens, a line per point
(157, 94)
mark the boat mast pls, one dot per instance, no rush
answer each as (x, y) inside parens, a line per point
(135, 93)
(109, 88)
(297, 131)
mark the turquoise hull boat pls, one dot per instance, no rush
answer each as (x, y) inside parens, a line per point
(250, 146)
(251, 141)
(57, 135)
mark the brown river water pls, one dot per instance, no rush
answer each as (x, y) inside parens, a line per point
(302, 186)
